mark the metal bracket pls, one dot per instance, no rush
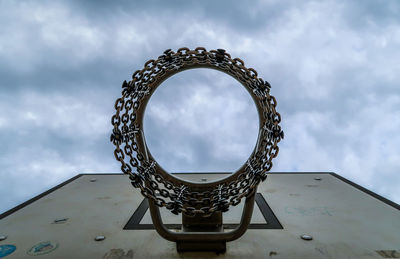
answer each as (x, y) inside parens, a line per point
(213, 240)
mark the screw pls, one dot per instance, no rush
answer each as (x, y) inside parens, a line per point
(317, 179)
(306, 237)
(3, 237)
(93, 180)
(99, 238)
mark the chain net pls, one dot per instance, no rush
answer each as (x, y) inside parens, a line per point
(141, 168)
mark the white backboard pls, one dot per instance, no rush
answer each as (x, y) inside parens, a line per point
(345, 221)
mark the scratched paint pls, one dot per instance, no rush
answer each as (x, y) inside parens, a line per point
(118, 254)
(389, 253)
(309, 211)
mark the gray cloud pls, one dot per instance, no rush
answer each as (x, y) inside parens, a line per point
(333, 66)
(188, 126)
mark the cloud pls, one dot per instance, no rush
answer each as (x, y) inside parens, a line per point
(332, 65)
(211, 110)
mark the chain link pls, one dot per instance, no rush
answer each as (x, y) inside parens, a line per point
(181, 199)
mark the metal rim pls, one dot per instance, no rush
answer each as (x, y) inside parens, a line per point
(169, 176)
(128, 135)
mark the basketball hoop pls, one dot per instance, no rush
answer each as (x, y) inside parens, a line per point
(201, 204)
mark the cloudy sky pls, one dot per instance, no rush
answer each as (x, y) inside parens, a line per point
(333, 66)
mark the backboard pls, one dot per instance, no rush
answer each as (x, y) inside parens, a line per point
(343, 219)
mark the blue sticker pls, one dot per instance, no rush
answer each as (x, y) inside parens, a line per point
(6, 250)
(43, 248)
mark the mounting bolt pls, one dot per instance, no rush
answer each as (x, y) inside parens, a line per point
(317, 178)
(93, 180)
(306, 237)
(2, 237)
(99, 238)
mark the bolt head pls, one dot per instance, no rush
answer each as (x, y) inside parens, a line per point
(3, 237)
(306, 237)
(93, 180)
(317, 178)
(99, 238)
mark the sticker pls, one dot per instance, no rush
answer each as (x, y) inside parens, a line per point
(43, 248)
(6, 250)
